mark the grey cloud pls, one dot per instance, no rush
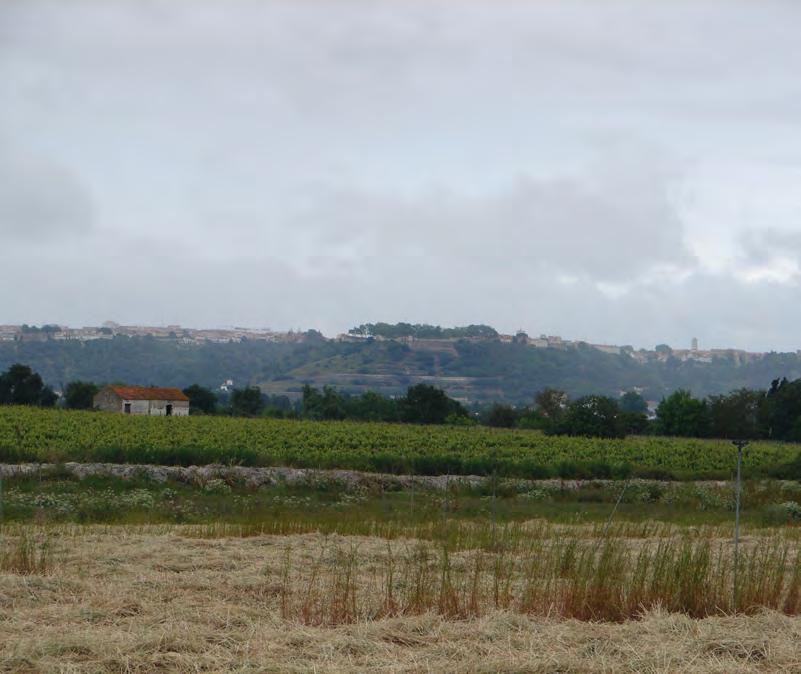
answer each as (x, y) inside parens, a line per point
(613, 227)
(323, 163)
(41, 202)
(761, 246)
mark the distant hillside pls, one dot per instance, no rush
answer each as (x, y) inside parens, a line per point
(477, 369)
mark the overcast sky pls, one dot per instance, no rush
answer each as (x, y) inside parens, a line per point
(621, 172)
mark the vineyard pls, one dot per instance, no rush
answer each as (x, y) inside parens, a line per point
(30, 434)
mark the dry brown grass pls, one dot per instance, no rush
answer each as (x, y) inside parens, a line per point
(154, 599)
(26, 554)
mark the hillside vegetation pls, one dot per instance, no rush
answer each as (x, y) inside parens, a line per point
(473, 370)
(31, 434)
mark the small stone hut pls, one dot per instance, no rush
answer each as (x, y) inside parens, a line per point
(147, 400)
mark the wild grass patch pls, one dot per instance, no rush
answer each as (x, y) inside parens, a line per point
(27, 554)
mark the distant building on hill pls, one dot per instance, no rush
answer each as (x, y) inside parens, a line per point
(151, 401)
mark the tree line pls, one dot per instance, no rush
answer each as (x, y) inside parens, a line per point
(422, 404)
(769, 414)
(773, 413)
(497, 370)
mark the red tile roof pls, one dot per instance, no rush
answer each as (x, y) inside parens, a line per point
(148, 393)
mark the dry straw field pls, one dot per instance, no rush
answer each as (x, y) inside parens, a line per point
(530, 597)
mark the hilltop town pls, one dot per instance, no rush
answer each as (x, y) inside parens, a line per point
(420, 337)
(110, 329)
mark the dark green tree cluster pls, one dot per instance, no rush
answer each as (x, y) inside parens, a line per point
(422, 404)
(19, 385)
(593, 415)
(79, 395)
(555, 413)
(201, 399)
(513, 372)
(773, 414)
(242, 402)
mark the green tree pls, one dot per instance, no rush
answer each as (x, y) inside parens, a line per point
(736, 415)
(550, 407)
(681, 414)
(79, 395)
(635, 423)
(426, 404)
(780, 411)
(631, 401)
(246, 402)
(633, 413)
(19, 385)
(328, 405)
(593, 416)
(279, 407)
(501, 416)
(551, 404)
(201, 399)
(371, 406)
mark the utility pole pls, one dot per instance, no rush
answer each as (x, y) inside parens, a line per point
(740, 445)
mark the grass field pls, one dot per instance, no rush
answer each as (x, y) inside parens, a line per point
(322, 502)
(30, 434)
(211, 572)
(108, 599)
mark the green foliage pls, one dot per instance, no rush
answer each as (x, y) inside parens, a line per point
(513, 372)
(551, 404)
(328, 405)
(780, 414)
(631, 401)
(371, 406)
(58, 436)
(592, 416)
(79, 395)
(19, 385)
(422, 404)
(551, 407)
(501, 416)
(683, 415)
(454, 419)
(634, 423)
(736, 415)
(246, 402)
(201, 399)
(426, 404)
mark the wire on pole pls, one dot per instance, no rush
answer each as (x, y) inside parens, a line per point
(614, 510)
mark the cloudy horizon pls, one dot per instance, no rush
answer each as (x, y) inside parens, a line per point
(619, 172)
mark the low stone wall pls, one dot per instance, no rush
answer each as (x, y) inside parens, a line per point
(346, 479)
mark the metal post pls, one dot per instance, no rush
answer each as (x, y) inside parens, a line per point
(494, 496)
(412, 476)
(739, 444)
